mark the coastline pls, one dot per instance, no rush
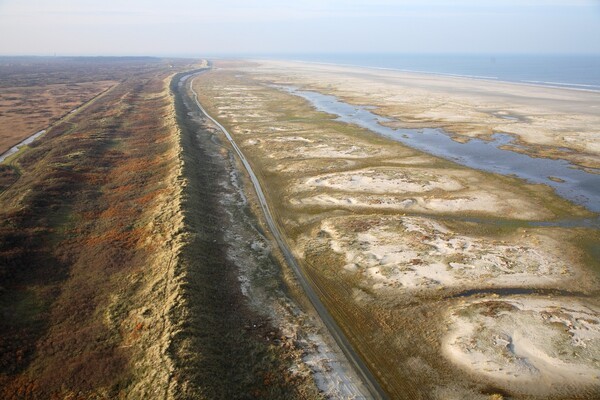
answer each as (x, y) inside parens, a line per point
(526, 82)
(547, 122)
(391, 236)
(554, 85)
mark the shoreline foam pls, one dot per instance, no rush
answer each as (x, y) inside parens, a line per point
(524, 82)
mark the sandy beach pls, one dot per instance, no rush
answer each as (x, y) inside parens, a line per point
(412, 252)
(562, 123)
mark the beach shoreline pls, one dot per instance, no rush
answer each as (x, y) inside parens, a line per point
(545, 121)
(397, 240)
(554, 85)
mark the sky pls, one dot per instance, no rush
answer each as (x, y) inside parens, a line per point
(254, 27)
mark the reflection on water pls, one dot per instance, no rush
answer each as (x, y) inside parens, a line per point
(569, 182)
(16, 147)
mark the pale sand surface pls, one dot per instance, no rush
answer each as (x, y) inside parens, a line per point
(496, 202)
(392, 227)
(412, 189)
(384, 180)
(562, 119)
(528, 342)
(412, 253)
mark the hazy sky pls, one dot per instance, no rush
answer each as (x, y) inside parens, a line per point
(202, 27)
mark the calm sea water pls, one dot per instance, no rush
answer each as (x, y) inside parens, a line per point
(574, 71)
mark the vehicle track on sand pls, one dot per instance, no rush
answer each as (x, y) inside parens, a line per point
(359, 365)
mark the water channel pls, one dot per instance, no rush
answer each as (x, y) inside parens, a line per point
(16, 147)
(569, 182)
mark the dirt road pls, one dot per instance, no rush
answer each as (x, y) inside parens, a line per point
(361, 368)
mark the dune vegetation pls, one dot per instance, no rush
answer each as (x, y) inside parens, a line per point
(84, 240)
(116, 266)
(450, 282)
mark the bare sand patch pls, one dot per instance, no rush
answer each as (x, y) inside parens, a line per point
(291, 139)
(476, 202)
(388, 260)
(292, 149)
(330, 151)
(312, 166)
(419, 253)
(533, 345)
(423, 190)
(300, 144)
(492, 202)
(384, 180)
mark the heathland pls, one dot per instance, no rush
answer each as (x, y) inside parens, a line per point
(451, 282)
(85, 234)
(135, 261)
(115, 278)
(132, 262)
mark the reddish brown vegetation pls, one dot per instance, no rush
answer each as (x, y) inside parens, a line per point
(8, 176)
(73, 230)
(26, 110)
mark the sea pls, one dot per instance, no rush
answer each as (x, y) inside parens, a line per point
(580, 72)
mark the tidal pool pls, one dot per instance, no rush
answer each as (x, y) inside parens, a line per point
(568, 181)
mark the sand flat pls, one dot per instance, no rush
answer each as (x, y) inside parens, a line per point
(544, 119)
(417, 253)
(391, 235)
(531, 344)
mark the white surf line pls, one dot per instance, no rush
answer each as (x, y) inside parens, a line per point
(540, 84)
(360, 367)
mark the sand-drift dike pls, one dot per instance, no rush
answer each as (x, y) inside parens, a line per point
(535, 346)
